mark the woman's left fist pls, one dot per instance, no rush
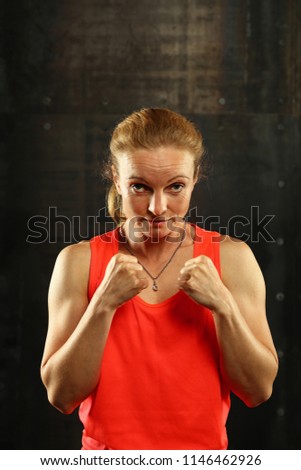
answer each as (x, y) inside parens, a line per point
(200, 280)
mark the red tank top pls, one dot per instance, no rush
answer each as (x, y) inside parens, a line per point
(160, 385)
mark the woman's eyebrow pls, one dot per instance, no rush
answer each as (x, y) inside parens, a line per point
(178, 176)
(135, 177)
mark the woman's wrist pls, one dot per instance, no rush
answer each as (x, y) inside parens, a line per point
(103, 306)
(226, 306)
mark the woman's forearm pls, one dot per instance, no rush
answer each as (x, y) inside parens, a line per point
(73, 371)
(248, 365)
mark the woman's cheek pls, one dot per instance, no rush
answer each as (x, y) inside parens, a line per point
(134, 201)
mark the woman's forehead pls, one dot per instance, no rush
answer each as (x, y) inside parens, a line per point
(162, 159)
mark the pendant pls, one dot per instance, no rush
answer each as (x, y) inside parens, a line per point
(154, 286)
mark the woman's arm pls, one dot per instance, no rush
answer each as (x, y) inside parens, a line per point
(78, 330)
(248, 358)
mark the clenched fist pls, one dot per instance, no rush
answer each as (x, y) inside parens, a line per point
(200, 279)
(124, 278)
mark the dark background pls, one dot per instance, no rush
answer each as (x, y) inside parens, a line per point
(69, 70)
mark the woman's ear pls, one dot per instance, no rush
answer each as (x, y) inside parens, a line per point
(115, 179)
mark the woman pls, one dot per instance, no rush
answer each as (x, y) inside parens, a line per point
(153, 324)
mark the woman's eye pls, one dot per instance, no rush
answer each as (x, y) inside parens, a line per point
(177, 187)
(138, 188)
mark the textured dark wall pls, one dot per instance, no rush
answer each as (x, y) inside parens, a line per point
(68, 72)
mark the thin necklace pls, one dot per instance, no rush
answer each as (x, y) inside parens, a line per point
(154, 278)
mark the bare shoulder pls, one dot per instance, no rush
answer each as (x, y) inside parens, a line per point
(73, 254)
(230, 246)
(72, 267)
(239, 267)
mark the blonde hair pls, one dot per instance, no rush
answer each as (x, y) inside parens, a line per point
(150, 128)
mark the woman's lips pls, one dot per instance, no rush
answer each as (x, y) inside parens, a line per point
(157, 221)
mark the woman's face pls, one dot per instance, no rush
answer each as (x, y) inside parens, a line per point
(155, 186)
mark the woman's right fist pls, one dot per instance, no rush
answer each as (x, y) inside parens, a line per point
(124, 278)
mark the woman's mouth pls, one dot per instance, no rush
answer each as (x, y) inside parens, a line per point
(157, 221)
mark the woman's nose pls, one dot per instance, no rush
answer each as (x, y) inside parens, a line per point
(157, 204)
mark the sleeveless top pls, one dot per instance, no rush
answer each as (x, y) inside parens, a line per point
(160, 385)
